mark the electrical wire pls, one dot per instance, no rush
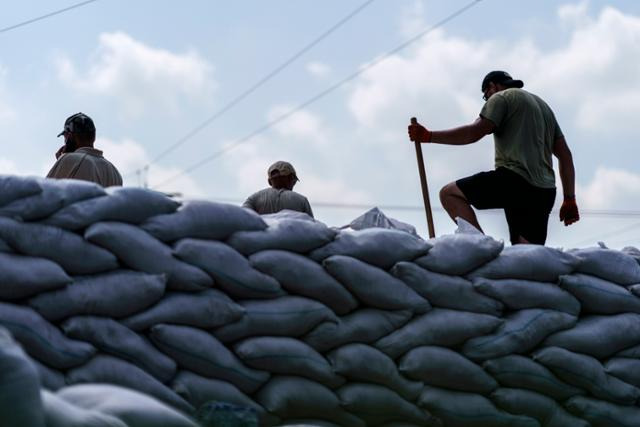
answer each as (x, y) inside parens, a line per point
(48, 15)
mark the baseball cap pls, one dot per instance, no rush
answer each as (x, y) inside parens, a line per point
(78, 123)
(282, 168)
(500, 77)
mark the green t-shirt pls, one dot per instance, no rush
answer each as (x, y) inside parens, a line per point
(526, 130)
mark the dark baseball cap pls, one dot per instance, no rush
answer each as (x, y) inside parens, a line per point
(78, 123)
(500, 77)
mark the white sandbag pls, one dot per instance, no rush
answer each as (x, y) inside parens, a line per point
(301, 276)
(112, 370)
(375, 218)
(441, 367)
(522, 331)
(23, 276)
(207, 309)
(115, 294)
(603, 414)
(528, 262)
(360, 362)
(521, 294)
(230, 270)
(140, 251)
(41, 340)
(626, 369)
(203, 220)
(60, 413)
(376, 246)
(599, 336)
(295, 397)
(198, 351)
(134, 408)
(459, 254)
(445, 291)
(521, 372)
(459, 409)
(377, 405)
(365, 325)
(439, 327)
(50, 379)
(20, 402)
(17, 187)
(285, 316)
(287, 356)
(124, 204)
(113, 338)
(598, 296)
(608, 264)
(374, 286)
(588, 373)
(535, 405)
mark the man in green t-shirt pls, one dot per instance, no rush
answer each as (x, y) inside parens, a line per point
(526, 135)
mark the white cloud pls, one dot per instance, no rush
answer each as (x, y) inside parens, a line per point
(318, 69)
(610, 189)
(6, 112)
(9, 167)
(301, 125)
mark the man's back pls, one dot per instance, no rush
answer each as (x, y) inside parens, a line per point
(87, 164)
(271, 200)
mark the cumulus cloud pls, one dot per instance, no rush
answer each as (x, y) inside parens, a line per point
(611, 188)
(318, 69)
(302, 125)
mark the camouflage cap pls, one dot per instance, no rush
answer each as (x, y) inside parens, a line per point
(78, 123)
(282, 168)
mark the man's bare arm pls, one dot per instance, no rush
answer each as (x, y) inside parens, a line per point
(569, 210)
(461, 135)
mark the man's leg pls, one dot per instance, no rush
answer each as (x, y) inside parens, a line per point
(456, 204)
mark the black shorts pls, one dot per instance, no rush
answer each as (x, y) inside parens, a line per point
(526, 206)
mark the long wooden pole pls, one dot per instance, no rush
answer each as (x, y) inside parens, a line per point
(423, 182)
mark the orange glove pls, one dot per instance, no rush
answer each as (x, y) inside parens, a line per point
(569, 211)
(418, 133)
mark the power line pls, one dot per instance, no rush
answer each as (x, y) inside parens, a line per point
(48, 15)
(320, 95)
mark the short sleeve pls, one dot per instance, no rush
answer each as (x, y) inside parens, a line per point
(495, 109)
(250, 203)
(307, 207)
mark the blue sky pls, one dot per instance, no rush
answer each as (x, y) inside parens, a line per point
(149, 72)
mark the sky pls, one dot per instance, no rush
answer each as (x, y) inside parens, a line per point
(155, 75)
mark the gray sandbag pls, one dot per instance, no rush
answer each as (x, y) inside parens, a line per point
(528, 262)
(207, 309)
(439, 327)
(377, 405)
(287, 356)
(521, 294)
(203, 220)
(230, 270)
(631, 352)
(112, 370)
(285, 316)
(588, 373)
(608, 264)
(375, 246)
(60, 413)
(302, 276)
(445, 291)
(460, 409)
(41, 340)
(113, 338)
(141, 251)
(522, 331)
(307, 423)
(599, 336)
(57, 245)
(295, 397)
(603, 414)
(17, 187)
(123, 204)
(374, 286)
(360, 362)
(134, 408)
(365, 325)
(375, 218)
(598, 296)
(198, 351)
(50, 379)
(535, 405)
(115, 294)
(23, 276)
(521, 372)
(624, 368)
(441, 367)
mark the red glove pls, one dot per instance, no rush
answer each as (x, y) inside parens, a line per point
(569, 211)
(418, 133)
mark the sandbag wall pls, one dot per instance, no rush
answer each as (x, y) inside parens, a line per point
(304, 323)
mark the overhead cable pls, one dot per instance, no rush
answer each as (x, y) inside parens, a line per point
(48, 15)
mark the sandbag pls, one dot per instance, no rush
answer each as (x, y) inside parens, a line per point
(17, 187)
(198, 351)
(626, 369)
(365, 325)
(115, 294)
(360, 362)
(445, 291)
(24, 276)
(299, 275)
(113, 338)
(374, 286)
(375, 246)
(598, 296)
(521, 331)
(603, 414)
(439, 327)
(138, 250)
(608, 264)
(375, 218)
(441, 367)
(632, 352)
(521, 294)
(50, 379)
(230, 270)
(203, 220)
(41, 340)
(207, 309)
(60, 413)
(285, 316)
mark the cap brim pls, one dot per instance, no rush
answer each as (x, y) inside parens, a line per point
(60, 134)
(514, 83)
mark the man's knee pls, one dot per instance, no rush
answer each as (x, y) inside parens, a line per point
(451, 190)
